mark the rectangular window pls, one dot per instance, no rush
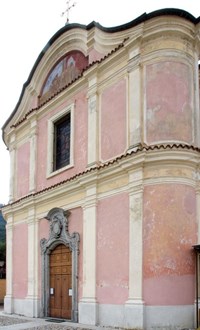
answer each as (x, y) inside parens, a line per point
(61, 152)
(60, 141)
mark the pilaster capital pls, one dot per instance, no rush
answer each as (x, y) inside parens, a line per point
(136, 184)
(33, 127)
(92, 103)
(136, 189)
(31, 216)
(9, 227)
(134, 63)
(91, 197)
(12, 142)
(197, 188)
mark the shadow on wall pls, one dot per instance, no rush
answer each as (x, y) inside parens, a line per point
(2, 257)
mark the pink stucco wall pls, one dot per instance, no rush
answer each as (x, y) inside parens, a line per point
(112, 249)
(20, 261)
(80, 142)
(169, 102)
(113, 120)
(169, 232)
(22, 169)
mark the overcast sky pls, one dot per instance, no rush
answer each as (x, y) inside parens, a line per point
(27, 25)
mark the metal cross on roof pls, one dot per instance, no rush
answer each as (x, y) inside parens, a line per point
(69, 7)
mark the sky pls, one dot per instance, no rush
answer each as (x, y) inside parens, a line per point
(27, 25)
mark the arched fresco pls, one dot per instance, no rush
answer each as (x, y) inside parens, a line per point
(63, 73)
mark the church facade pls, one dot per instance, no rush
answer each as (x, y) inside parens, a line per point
(104, 206)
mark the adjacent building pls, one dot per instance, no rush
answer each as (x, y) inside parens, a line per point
(104, 203)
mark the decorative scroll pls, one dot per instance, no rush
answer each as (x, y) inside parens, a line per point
(59, 231)
(59, 234)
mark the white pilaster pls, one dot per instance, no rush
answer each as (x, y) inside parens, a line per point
(134, 305)
(196, 100)
(33, 153)
(32, 301)
(198, 209)
(93, 134)
(134, 101)
(12, 168)
(8, 300)
(88, 304)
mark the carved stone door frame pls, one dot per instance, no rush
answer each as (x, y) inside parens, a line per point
(59, 234)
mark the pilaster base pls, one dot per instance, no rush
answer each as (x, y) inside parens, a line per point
(134, 314)
(32, 307)
(88, 312)
(8, 304)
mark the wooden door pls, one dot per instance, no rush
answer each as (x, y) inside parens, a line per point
(60, 302)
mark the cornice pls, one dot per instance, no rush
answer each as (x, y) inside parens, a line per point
(137, 158)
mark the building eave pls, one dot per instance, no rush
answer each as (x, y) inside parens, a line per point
(124, 162)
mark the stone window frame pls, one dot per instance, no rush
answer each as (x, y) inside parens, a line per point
(50, 141)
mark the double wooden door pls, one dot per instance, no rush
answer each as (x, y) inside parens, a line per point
(60, 302)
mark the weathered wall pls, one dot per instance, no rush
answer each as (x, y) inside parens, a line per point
(169, 102)
(170, 229)
(22, 169)
(20, 260)
(113, 120)
(112, 250)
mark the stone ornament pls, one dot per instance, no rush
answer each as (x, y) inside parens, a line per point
(59, 234)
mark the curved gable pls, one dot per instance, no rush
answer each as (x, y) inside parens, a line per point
(80, 34)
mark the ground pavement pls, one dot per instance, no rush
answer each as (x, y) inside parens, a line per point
(16, 322)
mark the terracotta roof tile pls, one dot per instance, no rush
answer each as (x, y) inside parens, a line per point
(137, 149)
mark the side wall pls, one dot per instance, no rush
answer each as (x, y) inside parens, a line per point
(169, 102)
(112, 250)
(170, 230)
(20, 266)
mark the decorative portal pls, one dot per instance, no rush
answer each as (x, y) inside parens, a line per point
(59, 236)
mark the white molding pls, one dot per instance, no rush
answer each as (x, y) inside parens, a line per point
(135, 234)
(12, 174)
(196, 101)
(134, 106)
(33, 155)
(93, 148)
(89, 245)
(32, 294)
(198, 211)
(8, 305)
